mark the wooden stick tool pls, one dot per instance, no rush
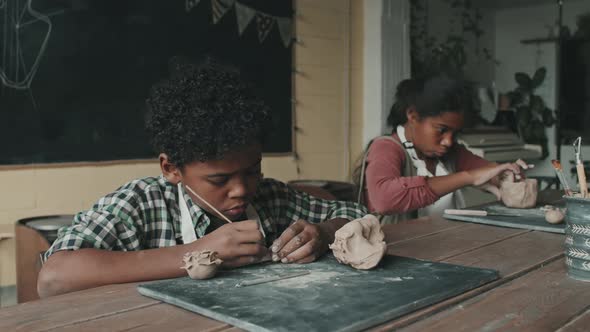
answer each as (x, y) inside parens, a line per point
(580, 167)
(219, 214)
(477, 213)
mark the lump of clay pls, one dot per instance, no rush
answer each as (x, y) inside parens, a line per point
(201, 264)
(554, 216)
(360, 243)
(521, 194)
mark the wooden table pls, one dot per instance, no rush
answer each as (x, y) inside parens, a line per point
(532, 294)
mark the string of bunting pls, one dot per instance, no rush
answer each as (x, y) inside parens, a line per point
(245, 15)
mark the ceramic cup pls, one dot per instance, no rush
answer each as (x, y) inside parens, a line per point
(577, 238)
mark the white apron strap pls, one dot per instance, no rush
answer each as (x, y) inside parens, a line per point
(186, 223)
(253, 215)
(187, 228)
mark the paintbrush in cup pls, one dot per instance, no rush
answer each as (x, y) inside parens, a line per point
(219, 214)
(559, 171)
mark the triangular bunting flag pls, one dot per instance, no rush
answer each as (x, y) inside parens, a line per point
(244, 15)
(190, 4)
(286, 30)
(264, 23)
(220, 8)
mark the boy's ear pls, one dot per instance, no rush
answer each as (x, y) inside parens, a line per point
(170, 171)
(412, 115)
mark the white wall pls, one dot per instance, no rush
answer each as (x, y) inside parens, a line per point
(386, 60)
(514, 25)
(395, 50)
(372, 73)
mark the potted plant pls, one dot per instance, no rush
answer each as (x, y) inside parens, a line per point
(532, 114)
(446, 54)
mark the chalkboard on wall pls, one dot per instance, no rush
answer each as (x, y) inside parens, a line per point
(74, 75)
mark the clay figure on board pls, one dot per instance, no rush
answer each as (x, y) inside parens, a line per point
(201, 264)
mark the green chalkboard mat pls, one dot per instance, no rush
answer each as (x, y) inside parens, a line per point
(332, 297)
(533, 219)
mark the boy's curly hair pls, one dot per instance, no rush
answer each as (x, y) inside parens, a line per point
(202, 112)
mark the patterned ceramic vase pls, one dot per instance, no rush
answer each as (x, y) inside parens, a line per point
(577, 238)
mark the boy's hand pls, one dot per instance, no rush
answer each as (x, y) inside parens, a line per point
(302, 242)
(239, 243)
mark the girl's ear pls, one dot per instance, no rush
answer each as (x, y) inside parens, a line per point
(412, 115)
(170, 171)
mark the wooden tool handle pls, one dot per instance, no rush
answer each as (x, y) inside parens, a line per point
(466, 212)
(582, 179)
(4, 236)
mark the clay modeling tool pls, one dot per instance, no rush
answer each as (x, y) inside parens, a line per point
(269, 279)
(559, 171)
(580, 167)
(4, 236)
(209, 205)
(478, 213)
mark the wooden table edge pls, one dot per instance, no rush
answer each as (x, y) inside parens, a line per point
(415, 316)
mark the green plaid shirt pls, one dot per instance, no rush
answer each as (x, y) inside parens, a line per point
(144, 214)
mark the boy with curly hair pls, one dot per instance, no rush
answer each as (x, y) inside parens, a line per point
(208, 126)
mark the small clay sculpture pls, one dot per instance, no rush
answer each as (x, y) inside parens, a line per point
(201, 264)
(360, 243)
(553, 215)
(518, 194)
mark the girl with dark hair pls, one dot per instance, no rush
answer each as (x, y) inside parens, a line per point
(419, 169)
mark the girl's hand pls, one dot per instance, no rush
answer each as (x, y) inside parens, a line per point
(523, 166)
(493, 184)
(237, 244)
(301, 242)
(495, 172)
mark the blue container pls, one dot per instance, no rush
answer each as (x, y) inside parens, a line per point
(577, 238)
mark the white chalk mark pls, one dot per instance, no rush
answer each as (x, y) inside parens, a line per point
(19, 69)
(269, 279)
(47, 15)
(394, 279)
